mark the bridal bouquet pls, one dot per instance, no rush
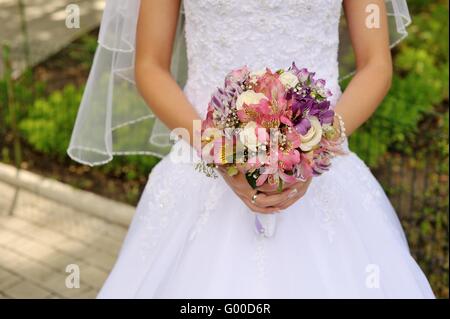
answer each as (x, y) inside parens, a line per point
(274, 127)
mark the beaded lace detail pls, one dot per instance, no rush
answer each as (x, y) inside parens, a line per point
(226, 34)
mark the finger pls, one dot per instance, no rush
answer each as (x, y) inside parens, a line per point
(291, 185)
(285, 199)
(292, 200)
(273, 188)
(257, 205)
(268, 188)
(257, 209)
(267, 200)
(276, 199)
(297, 187)
(289, 203)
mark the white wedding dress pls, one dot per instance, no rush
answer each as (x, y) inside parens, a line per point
(192, 237)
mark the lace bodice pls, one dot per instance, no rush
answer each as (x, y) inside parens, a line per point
(226, 34)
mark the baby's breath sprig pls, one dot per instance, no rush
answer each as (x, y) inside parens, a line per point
(207, 169)
(248, 85)
(232, 119)
(283, 142)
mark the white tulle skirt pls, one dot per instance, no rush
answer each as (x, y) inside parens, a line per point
(192, 237)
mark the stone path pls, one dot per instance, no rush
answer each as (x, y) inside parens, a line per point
(42, 237)
(46, 27)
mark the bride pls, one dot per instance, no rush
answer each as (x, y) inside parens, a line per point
(337, 236)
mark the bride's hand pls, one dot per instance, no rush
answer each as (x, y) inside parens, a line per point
(295, 191)
(264, 203)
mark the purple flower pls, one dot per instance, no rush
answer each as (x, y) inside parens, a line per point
(223, 100)
(237, 76)
(303, 126)
(319, 87)
(294, 69)
(320, 84)
(300, 105)
(305, 106)
(327, 117)
(323, 112)
(302, 74)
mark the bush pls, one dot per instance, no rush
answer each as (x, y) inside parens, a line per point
(48, 125)
(24, 92)
(420, 85)
(49, 122)
(83, 51)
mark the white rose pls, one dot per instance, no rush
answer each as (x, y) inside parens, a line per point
(258, 73)
(248, 136)
(289, 79)
(313, 137)
(249, 97)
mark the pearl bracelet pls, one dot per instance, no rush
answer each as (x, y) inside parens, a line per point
(341, 126)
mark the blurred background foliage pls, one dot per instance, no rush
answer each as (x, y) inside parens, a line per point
(420, 85)
(405, 143)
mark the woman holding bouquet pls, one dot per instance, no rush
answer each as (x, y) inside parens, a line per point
(337, 235)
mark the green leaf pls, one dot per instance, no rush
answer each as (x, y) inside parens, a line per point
(232, 170)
